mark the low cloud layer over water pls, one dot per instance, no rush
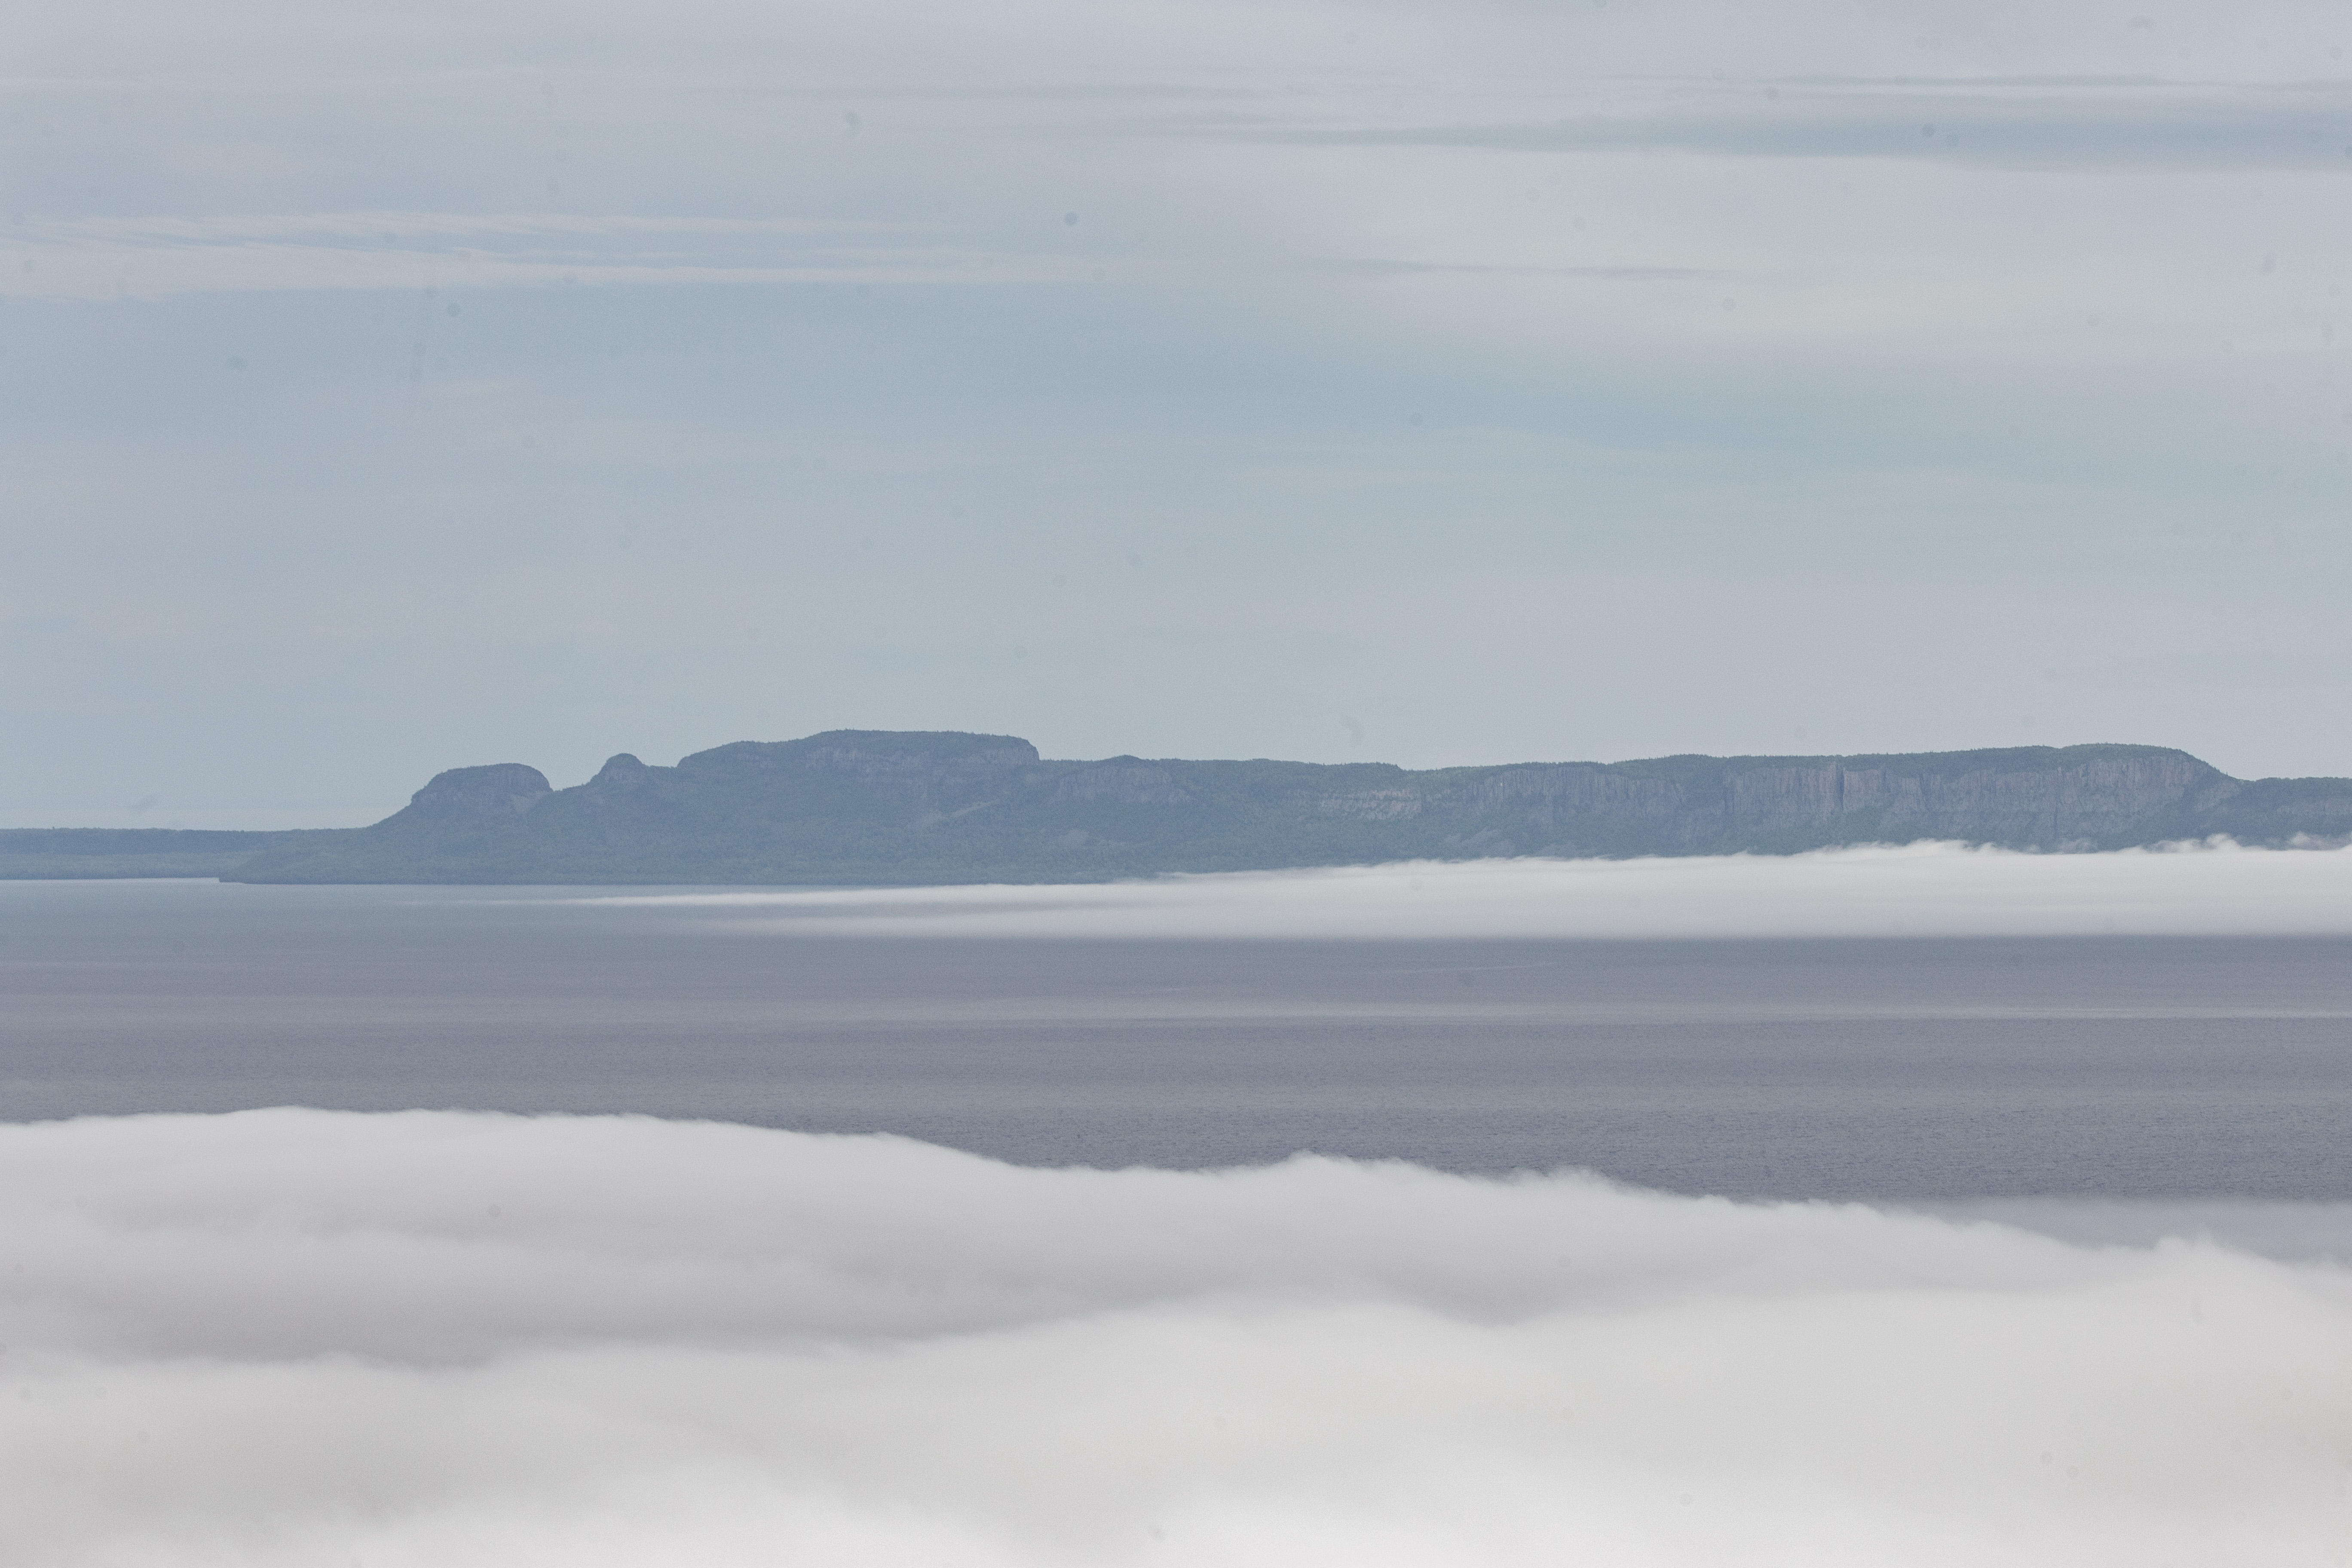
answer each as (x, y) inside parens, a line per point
(295, 1337)
(1918, 889)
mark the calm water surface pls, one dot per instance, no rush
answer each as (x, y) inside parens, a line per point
(1905, 1069)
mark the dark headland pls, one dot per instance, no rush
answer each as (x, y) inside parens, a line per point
(873, 807)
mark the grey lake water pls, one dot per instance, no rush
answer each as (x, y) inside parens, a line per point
(1913, 1070)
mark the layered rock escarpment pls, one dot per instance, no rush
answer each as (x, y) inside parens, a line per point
(2082, 797)
(881, 807)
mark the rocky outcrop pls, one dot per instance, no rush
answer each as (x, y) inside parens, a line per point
(621, 773)
(472, 794)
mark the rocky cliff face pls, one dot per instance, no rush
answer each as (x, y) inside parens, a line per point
(2087, 803)
(2034, 797)
(1543, 796)
(1124, 780)
(927, 769)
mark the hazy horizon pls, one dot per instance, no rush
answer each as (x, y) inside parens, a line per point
(393, 389)
(155, 812)
(389, 393)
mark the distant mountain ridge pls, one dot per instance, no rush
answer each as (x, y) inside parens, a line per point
(883, 807)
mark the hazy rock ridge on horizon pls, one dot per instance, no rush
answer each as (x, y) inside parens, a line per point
(854, 807)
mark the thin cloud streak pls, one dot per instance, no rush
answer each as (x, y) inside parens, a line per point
(1374, 267)
(2022, 125)
(155, 258)
(165, 257)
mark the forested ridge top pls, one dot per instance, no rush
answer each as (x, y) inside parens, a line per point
(856, 806)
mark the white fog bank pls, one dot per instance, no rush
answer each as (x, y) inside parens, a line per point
(1918, 889)
(298, 1337)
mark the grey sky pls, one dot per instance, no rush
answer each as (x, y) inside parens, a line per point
(393, 389)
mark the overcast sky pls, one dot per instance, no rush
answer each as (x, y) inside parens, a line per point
(392, 388)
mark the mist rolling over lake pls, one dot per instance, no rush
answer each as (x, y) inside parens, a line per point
(289, 1337)
(1197, 1221)
(953, 785)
